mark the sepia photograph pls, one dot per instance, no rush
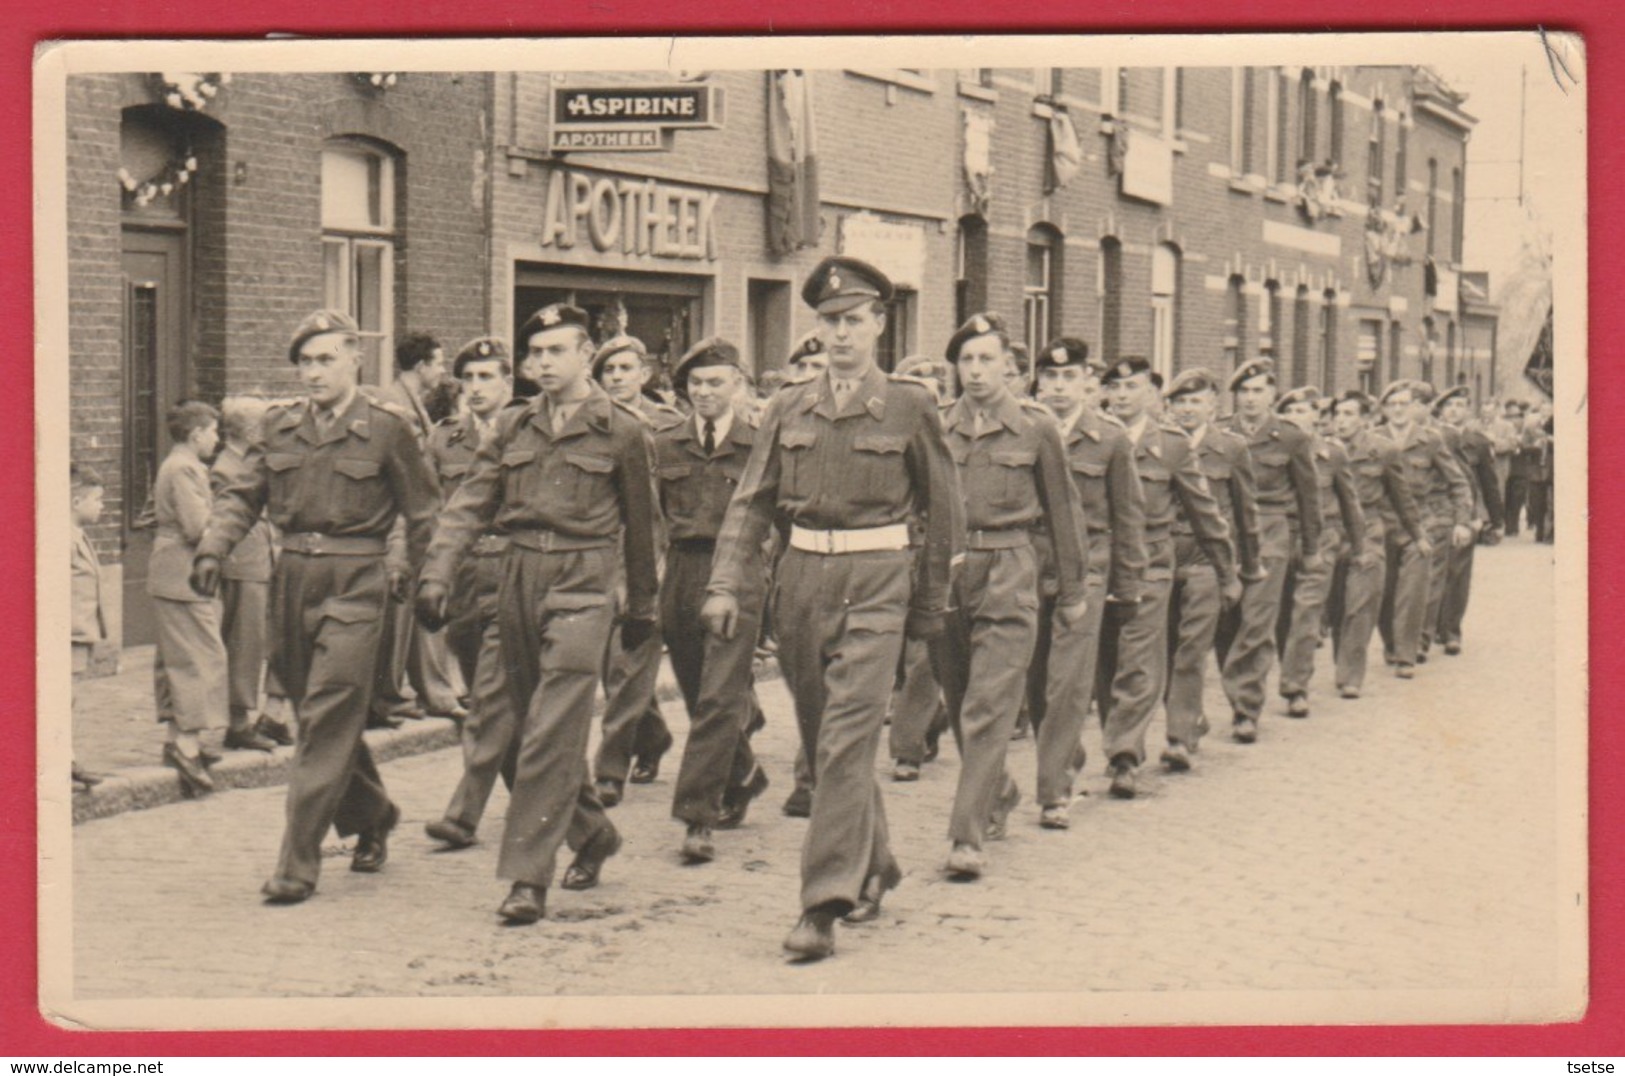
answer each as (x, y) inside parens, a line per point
(700, 532)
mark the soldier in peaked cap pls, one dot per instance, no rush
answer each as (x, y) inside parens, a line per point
(1135, 650)
(1477, 455)
(1303, 601)
(635, 736)
(1199, 594)
(1061, 676)
(847, 460)
(1289, 517)
(1013, 471)
(333, 474)
(489, 741)
(567, 478)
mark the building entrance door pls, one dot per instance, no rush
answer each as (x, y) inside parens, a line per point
(154, 379)
(662, 310)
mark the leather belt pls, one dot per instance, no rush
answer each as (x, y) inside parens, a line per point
(489, 545)
(888, 539)
(1004, 539)
(324, 545)
(554, 542)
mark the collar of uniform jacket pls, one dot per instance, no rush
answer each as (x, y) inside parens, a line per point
(353, 419)
(869, 396)
(592, 414)
(962, 416)
(1084, 425)
(689, 435)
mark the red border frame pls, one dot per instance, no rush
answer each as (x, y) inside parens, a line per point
(1601, 1033)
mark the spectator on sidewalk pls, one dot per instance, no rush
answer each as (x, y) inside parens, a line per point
(88, 627)
(190, 671)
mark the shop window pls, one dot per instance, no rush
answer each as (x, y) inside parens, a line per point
(970, 273)
(1269, 319)
(1376, 150)
(1433, 203)
(896, 341)
(358, 245)
(1301, 328)
(1164, 308)
(1328, 343)
(768, 318)
(1235, 322)
(1110, 290)
(1040, 289)
(1308, 118)
(1368, 354)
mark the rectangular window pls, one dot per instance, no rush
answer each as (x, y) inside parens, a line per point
(1458, 213)
(1164, 308)
(1240, 125)
(898, 338)
(1036, 296)
(1433, 203)
(1376, 150)
(1047, 82)
(1396, 349)
(1171, 79)
(1269, 319)
(1110, 290)
(359, 278)
(1334, 107)
(1308, 120)
(1328, 344)
(769, 323)
(1111, 91)
(1402, 159)
(1368, 354)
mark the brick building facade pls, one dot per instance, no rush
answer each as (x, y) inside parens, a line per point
(1194, 215)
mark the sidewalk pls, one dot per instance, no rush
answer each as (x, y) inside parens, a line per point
(116, 734)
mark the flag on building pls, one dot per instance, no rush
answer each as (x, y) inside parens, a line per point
(1539, 367)
(792, 163)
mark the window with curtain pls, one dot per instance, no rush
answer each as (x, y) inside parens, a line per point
(1368, 354)
(1164, 308)
(358, 245)
(1039, 288)
(1269, 318)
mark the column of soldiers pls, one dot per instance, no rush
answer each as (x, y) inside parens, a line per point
(1078, 541)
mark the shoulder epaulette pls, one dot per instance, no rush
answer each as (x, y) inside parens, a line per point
(917, 382)
(631, 410)
(394, 409)
(1172, 427)
(1111, 420)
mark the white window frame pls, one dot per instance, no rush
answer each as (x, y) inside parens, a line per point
(1238, 122)
(1111, 85)
(1038, 301)
(351, 237)
(1272, 133)
(1164, 307)
(1170, 102)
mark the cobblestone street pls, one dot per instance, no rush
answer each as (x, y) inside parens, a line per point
(1403, 840)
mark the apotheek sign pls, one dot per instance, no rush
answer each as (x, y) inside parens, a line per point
(630, 216)
(629, 117)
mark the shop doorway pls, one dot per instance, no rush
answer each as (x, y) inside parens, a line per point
(664, 310)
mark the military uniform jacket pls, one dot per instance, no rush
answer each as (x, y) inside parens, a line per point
(1378, 472)
(695, 488)
(89, 625)
(181, 500)
(1173, 483)
(1228, 468)
(1436, 478)
(591, 480)
(1477, 455)
(1101, 459)
(251, 560)
(406, 403)
(1339, 500)
(1284, 465)
(659, 415)
(352, 480)
(1014, 477)
(452, 446)
(872, 463)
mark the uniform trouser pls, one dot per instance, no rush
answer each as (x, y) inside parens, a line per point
(718, 685)
(1252, 651)
(1540, 510)
(1308, 591)
(189, 670)
(1193, 619)
(1362, 598)
(1404, 598)
(839, 652)
(981, 661)
(1517, 492)
(555, 616)
(415, 658)
(1439, 529)
(1060, 684)
(244, 607)
(918, 714)
(327, 620)
(474, 638)
(633, 727)
(1134, 654)
(1458, 587)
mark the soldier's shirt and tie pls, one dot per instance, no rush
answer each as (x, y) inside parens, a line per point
(847, 478)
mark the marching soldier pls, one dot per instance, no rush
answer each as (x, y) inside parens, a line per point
(1393, 527)
(1061, 676)
(489, 740)
(1137, 658)
(1303, 604)
(847, 459)
(1198, 595)
(1445, 499)
(1477, 456)
(567, 477)
(635, 735)
(1439, 503)
(1014, 474)
(1288, 497)
(700, 461)
(334, 473)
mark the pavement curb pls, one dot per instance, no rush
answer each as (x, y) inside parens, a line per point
(143, 787)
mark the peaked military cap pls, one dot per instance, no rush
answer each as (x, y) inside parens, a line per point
(1302, 394)
(712, 351)
(1457, 393)
(480, 349)
(1066, 351)
(553, 316)
(319, 324)
(1126, 367)
(840, 283)
(614, 346)
(1262, 366)
(1196, 379)
(975, 325)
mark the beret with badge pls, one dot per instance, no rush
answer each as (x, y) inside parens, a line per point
(319, 324)
(1194, 380)
(480, 349)
(553, 316)
(614, 346)
(1259, 367)
(1125, 368)
(975, 325)
(712, 351)
(1460, 392)
(1066, 351)
(1302, 394)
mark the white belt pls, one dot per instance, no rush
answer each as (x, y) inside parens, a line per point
(866, 540)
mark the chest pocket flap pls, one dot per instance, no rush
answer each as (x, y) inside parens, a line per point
(283, 461)
(886, 443)
(798, 438)
(356, 468)
(672, 471)
(517, 457)
(1014, 457)
(1092, 468)
(590, 462)
(454, 470)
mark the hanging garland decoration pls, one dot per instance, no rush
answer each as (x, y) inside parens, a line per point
(376, 80)
(189, 91)
(165, 182)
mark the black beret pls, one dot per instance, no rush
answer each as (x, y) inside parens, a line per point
(975, 325)
(1196, 379)
(319, 324)
(1301, 394)
(712, 351)
(1259, 367)
(1126, 367)
(480, 349)
(614, 346)
(552, 316)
